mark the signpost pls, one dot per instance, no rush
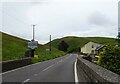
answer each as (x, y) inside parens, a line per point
(33, 44)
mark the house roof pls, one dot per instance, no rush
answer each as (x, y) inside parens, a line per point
(99, 47)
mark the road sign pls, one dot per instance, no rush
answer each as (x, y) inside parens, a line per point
(33, 44)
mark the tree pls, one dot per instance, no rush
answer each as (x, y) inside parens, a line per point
(110, 58)
(63, 46)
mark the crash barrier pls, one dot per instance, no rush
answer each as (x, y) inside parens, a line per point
(13, 64)
(91, 73)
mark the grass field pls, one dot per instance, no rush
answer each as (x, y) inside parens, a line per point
(76, 42)
(103, 40)
(14, 48)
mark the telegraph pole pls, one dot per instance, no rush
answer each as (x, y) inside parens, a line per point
(32, 50)
(32, 44)
(50, 44)
(33, 32)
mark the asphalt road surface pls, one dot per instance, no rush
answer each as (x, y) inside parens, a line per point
(57, 70)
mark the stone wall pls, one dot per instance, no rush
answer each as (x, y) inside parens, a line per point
(13, 64)
(92, 73)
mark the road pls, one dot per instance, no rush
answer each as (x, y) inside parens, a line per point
(57, 70)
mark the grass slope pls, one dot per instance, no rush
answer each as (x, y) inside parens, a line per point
(14, 48)
(76, 42)
(103, 40)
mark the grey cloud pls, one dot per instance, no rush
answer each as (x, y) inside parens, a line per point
(97, 18)
(60, 18)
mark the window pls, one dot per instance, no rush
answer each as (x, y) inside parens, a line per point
(92, 51)
(92, 46)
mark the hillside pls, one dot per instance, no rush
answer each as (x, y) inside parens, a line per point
(14, 48)
(76, 42)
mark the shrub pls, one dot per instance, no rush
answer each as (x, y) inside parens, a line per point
(63, 46)
(110, 58)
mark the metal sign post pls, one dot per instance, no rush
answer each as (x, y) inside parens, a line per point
(50, 44)
(33, 44)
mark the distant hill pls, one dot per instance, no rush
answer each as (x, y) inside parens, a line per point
(14, 48)
(76, 42)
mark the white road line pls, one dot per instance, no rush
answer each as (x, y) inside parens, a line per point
(60, 61)
(19, 68)
(48, 68)
(35, 74)
(26, 81)
(75, 71)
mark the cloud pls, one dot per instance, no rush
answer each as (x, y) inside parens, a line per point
(119, 16)
(60, 18)
(96, 31)
(100, 19)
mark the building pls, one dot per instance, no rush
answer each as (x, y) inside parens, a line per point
(99, 49)
(90, 47)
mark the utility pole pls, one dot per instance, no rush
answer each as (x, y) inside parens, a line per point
(33, 32)
(32, 44)
(50, 44)
(32, 50)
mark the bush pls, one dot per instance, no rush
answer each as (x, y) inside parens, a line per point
(63, 46)
(110, 58)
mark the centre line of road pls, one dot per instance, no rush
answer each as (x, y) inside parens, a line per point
(25, 81)
(48, 68)
(60, 61)
(35, 74)
(21, 68)
(53, 64)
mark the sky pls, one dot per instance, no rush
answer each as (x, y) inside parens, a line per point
(59, 18)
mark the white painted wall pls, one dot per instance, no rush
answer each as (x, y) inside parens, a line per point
(87, 48)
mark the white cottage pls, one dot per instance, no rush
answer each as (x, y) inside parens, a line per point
(90, 47)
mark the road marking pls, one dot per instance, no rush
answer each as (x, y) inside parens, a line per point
(75, 71)
(60, 61)
(35, 74)
(25, 81)
(48, 68)
(21, 68)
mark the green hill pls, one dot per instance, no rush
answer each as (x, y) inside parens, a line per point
(76, 42)
(14, 48)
